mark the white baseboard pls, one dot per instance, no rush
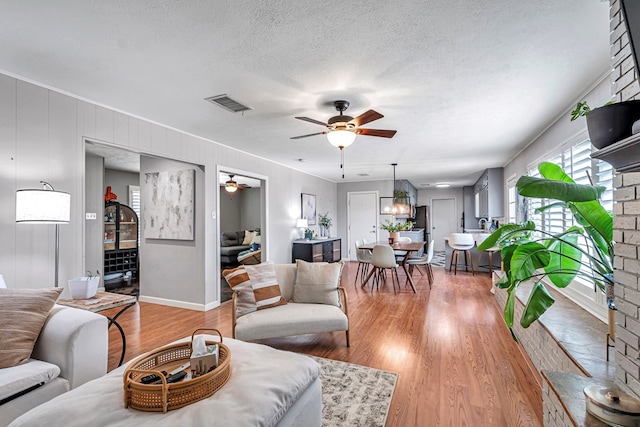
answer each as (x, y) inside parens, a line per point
(179, 304)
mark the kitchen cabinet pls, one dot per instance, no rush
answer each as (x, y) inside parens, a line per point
(120, 239)
(317, 250)
(412, 194)
(489, 194)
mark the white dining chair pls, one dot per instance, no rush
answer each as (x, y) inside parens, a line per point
(424, 261)
(364, 261)
(383, 259)
(461, 242)
(400, 255)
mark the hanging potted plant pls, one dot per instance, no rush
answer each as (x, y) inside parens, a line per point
(529, 253)
(610, 123)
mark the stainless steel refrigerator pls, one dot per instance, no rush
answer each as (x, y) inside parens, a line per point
(422, 221)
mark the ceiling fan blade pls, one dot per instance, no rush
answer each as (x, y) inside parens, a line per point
(307, 119)
(366, 117)
(304, 136)
(377, 132)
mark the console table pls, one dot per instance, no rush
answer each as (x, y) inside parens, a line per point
(104, 301)
(317, 250)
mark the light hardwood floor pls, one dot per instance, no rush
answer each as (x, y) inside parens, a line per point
(457, 363)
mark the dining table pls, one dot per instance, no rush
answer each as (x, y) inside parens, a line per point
(407, 247)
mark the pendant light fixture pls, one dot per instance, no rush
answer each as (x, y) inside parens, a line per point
(231, 186)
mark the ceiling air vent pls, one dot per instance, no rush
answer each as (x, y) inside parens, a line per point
(227, 103)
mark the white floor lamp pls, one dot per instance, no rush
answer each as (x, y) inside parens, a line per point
(46, 206)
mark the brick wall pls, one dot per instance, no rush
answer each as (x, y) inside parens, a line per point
(543, 350)
(553, 412)
(626, 224)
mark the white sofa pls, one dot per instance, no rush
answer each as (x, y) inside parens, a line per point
(72, 348)
(291, 318)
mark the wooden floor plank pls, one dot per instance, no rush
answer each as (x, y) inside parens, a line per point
(457, 363)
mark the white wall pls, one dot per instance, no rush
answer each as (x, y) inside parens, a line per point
(42, 138)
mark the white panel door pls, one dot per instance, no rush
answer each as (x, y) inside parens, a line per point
(362, 219)
(444, 221)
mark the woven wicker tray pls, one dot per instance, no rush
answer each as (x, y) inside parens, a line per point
(166, 397)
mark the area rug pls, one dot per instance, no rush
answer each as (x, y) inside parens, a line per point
(438, 259)
(354, 395)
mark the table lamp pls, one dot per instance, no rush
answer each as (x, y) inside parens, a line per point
(46, 206)
(302, 224)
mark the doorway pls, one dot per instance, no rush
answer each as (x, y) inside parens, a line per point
(241, 221)
(444, 221)
(362, 219)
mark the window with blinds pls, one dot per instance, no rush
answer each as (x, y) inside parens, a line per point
(134, 203)
(576, 161)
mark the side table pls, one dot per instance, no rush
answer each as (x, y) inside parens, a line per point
(104, 301)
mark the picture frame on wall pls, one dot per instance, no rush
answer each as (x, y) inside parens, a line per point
(308, 208)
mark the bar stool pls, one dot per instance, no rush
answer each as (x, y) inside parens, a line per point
(481, 238)
(461, 242)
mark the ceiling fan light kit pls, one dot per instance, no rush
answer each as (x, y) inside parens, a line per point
(341, 138)
(231, 186)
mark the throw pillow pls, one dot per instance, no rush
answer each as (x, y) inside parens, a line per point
(248, 237)
(265, 285)
(22, 316)
(317, 283)
(239, 281)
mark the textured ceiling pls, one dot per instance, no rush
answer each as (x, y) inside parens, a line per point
(466, 84)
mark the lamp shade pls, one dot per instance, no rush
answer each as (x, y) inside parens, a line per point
(302, 223)
(341, 138)
(43, 207)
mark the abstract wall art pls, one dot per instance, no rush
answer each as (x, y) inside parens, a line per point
(167, 207)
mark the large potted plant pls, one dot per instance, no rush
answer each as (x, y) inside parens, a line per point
(610, 123)
(584, 250)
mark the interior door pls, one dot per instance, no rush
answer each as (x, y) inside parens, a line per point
(444, 221)
(362, 219)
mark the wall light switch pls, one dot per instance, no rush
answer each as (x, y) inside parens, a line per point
(90, 215)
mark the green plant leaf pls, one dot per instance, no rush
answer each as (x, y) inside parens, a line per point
(553, 172)
(543, 188)
(564, 263)
(504, 281)
(539, 301)
(527, 258)
(504, 233)
(510, 306)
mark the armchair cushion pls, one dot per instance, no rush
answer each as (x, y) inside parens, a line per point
(18, 378)
(22, 316)
(317, 283)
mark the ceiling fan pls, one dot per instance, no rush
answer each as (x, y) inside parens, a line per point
(232, 186)
(342, 130)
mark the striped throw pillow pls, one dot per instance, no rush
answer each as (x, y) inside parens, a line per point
(23, 313)
(265, 285)
(239, 281)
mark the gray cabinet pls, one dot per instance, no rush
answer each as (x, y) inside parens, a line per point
(489, 194)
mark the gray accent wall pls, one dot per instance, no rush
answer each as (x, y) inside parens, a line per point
(120, 182)
(42, 135)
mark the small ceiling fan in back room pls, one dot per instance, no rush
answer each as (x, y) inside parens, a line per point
(342, 130)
